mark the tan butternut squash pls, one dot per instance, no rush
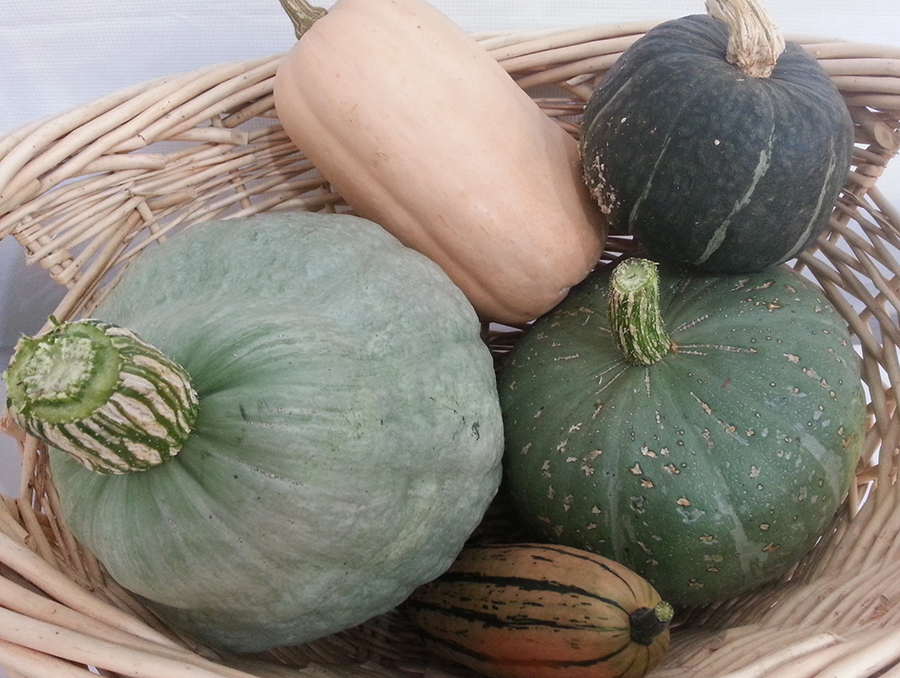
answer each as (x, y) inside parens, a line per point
(423, 132)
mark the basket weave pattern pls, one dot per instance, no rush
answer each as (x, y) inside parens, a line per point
(88, 190)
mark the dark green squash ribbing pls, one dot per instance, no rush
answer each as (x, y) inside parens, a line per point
(707, 165)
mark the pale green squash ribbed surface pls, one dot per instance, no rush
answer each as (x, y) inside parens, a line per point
(348, 438)
(709, 472)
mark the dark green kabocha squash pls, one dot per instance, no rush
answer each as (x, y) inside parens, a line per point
(699, 429)
(344, 437)
(706, 153)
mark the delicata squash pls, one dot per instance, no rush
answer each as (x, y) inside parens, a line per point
(532, 610)
(423, 132)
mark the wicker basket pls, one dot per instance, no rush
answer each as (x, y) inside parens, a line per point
(87, 190)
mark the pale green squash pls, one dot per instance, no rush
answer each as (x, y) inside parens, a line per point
(347, 440)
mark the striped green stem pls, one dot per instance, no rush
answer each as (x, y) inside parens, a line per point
(102, 394)
(634, 316)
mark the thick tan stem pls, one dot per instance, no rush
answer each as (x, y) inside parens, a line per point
(302, 15)
(754, 41)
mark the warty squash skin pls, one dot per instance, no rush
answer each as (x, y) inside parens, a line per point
(707, 165)
(530, 610)
(713, 467)
(347, 440)
(423, 132)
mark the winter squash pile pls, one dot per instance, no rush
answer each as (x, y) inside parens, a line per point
(275, 428)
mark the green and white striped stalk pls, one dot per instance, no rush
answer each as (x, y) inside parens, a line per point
(634, 316)
(100, 393)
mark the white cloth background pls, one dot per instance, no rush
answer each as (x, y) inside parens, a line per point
(56, 54)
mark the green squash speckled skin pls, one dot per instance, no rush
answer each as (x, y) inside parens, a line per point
(708, 472)
(348, 435)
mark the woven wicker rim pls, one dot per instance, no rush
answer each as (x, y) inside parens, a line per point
(87, 190)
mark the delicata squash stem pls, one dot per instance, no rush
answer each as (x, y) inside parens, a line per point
(648, 622)
(101, 394)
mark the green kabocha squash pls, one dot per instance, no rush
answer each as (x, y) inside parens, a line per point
(715, 144)
(347, 434)
(701, 430)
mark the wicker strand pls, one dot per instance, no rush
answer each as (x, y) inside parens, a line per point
(19, 599)
(866, 654)
(32, 664)
(43, 575)
(79, 647)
